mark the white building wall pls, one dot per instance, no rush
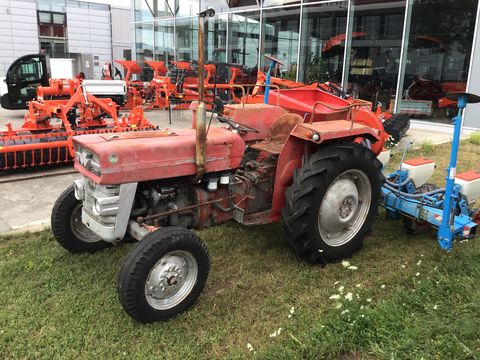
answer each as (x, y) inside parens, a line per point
(89, 32)
(18, 31)
(121, 31)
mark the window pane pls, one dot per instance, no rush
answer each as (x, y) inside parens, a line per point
(187, 38)
(59, 31)
(46, 48)
(216, 38)
(220, 6)
(376, 42)
(143, 10)
(323, 42)
(44, 17)
(59, 50)
(51, 5)
(244, 35)
(242, 3)
(59, 19)
(281, 35)
(144, 41)
(279, 2)
(164, 46)
(45, 30)
(438, 57)
(187, 7)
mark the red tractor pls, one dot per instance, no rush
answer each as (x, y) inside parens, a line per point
(319, 174)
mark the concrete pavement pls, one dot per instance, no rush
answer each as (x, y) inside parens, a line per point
(27, 203)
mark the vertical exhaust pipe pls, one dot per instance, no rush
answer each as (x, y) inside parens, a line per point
(201, 121)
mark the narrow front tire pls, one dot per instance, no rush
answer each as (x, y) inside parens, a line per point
(163, 275)
(67, 226)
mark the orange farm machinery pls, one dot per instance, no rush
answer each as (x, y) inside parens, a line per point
(49, 125)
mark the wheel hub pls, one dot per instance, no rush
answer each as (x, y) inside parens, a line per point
(344, 207)
(171, 279)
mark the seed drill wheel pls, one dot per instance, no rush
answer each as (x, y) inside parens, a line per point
(413, 226)
(67, 226)
(163, 275)
(332, 202)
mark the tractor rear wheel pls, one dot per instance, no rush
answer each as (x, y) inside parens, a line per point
(332, 202)
(163, 275)
(67, 226)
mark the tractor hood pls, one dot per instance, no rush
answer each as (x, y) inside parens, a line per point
(118, 158)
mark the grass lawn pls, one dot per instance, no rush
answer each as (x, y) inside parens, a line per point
(401, 298)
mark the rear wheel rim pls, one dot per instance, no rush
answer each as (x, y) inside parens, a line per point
(171, 280)
(344, 207)
(79, 229)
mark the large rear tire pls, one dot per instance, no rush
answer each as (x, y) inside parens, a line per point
(332, 202)
(163, 275)
(67, 226)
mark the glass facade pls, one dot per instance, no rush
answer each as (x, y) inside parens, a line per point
(437, 54)
(405, 53)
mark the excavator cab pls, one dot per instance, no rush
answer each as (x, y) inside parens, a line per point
(22, 79)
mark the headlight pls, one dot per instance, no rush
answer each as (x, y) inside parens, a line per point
(96, 208)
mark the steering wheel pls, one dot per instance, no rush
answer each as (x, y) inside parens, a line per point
(235, 125)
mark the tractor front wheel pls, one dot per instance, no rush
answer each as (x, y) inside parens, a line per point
(67, 226)
(163, 275)
(332, 202)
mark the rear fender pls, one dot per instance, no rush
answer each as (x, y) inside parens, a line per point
(302, 141)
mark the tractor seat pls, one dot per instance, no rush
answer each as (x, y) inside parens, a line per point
(278, 133)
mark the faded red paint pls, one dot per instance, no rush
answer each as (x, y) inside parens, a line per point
(291, 155)
(153, 155)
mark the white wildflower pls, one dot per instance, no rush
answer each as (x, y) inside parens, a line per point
(336, 283)
(349, 296)
(276, 333)
(383, 286)
(419, 262)
(417, 274)
(358, 296)
(345, 263)
(344, 311)
(338, 306)
(334, 297)
(361, 315)
(361, 307)
(369, 300)
(435, 307)
(353, 267)
(358, 285)
(403, 266)
(341, 288)
(249, 347)
(292, 310)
